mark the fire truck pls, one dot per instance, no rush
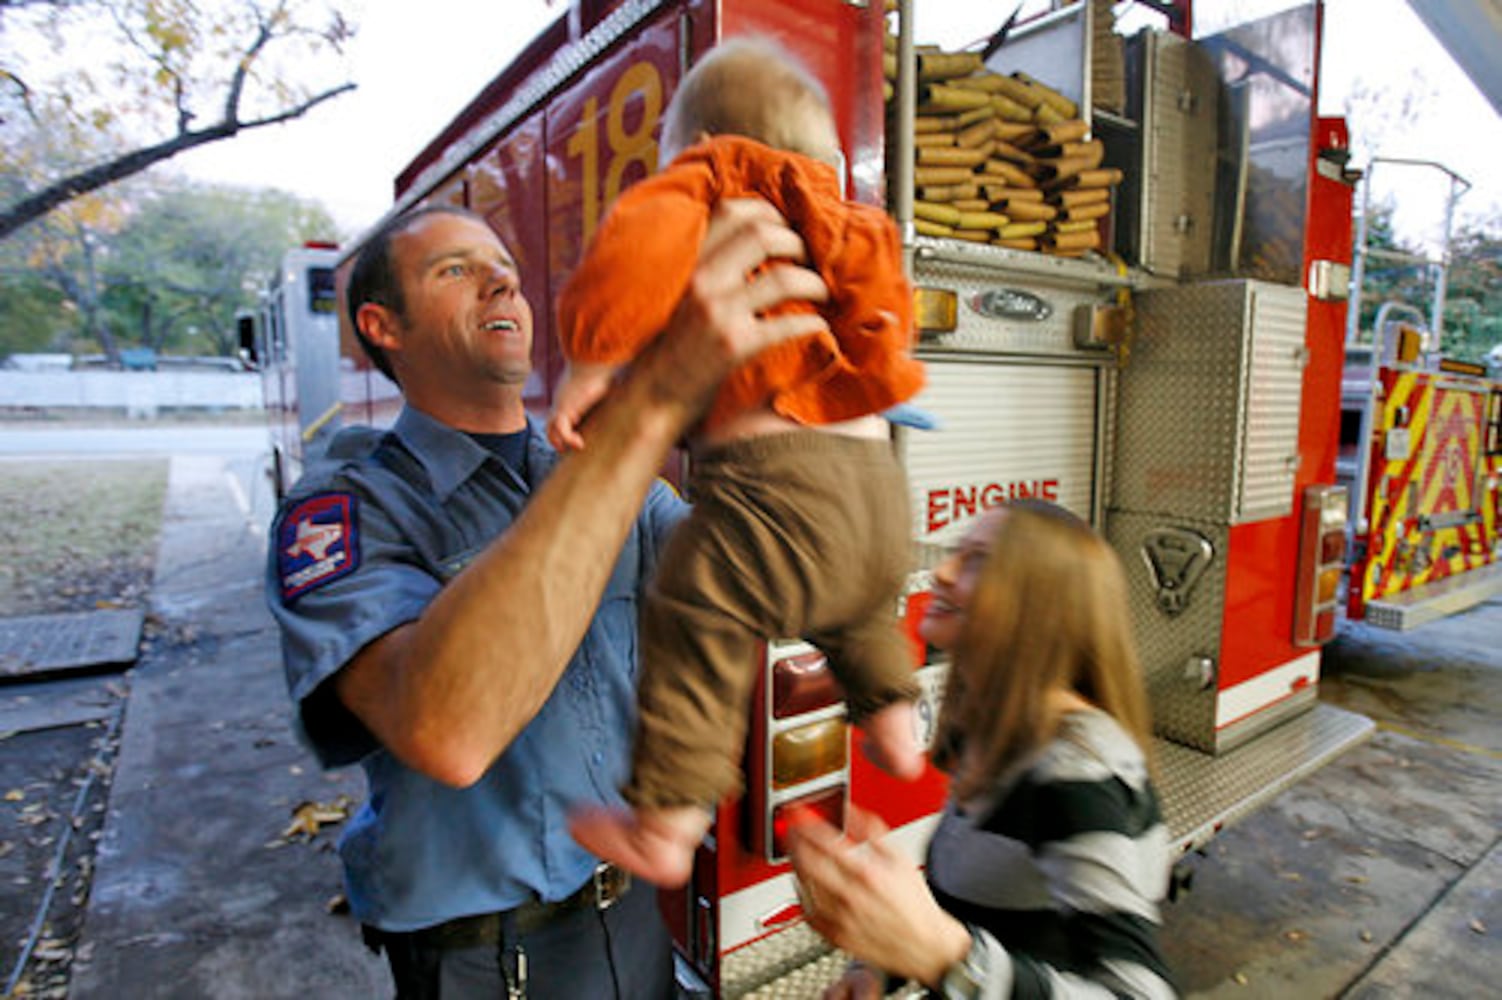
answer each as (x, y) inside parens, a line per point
(292, 339)
(1421, 445)
(1173, 373)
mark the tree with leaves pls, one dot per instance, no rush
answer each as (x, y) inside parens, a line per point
(191, 256)
(172, 75)
(1472, 322)
(164, 266)
(1473, 296)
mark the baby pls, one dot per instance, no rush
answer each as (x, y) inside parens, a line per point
(800, 523)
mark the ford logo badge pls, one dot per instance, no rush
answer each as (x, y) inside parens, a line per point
(1010, 303)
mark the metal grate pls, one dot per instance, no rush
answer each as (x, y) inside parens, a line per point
(47, 644)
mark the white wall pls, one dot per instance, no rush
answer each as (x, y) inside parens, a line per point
(138, 393)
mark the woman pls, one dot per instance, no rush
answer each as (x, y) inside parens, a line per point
(1049, 863)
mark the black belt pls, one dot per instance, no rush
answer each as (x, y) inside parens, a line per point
(603, 890)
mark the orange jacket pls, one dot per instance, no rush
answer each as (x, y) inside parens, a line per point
(639, 263)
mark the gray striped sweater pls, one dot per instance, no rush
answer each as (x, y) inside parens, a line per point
(1062, 869)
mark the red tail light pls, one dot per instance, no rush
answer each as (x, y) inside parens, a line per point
(800, 747)
(828, 805)
(1322, 545)
(802, 683)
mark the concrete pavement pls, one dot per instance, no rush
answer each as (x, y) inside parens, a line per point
(196, 894)
(1377, 877)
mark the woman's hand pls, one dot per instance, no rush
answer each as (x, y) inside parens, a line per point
(860, 982)
(868, 899)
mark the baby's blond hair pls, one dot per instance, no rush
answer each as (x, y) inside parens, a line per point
(749, 87)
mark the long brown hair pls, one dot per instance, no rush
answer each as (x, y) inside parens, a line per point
(1049, 611)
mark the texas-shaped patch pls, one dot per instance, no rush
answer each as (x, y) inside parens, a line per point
(317, 542)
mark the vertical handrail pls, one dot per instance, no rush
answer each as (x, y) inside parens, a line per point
(900, 156)
(1442, 281)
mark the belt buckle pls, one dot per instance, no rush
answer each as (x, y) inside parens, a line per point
(610, 885)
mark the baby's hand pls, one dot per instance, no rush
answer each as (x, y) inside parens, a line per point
(582, 387)
(891, 741)
(563, 433)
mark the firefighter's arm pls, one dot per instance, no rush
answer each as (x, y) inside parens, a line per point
(449, 692)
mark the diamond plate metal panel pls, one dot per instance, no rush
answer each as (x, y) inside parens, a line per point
(1183, 707)
(1178, 100)
(750, 970)
(972, 270)
(1209, 402)
(1008, 429)
(791, 965)
(1202, 794)
(1275, 392)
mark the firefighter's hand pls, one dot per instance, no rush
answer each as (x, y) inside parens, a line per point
(864, 896)
(722, 319)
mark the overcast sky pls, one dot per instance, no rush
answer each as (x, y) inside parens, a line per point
(415, 71)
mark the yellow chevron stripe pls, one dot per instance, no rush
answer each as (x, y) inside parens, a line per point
(1407, 389)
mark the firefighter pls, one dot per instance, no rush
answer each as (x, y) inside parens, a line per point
(477, 659)
(1049, 865)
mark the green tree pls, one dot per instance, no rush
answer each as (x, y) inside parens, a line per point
(32, 316)
(163, 265)
(173, 75)
(1473, 297)
(1473, 284)
(190, 256)
(1387, 276)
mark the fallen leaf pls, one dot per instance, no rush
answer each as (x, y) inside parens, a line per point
(1356, 879)
(1366, 936)
(309, 817)
(1295, 935)
(1477, 926)
(1290, 876)
(1240, 978)
(51, 951)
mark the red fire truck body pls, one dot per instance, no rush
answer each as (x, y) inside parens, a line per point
(1185, 401)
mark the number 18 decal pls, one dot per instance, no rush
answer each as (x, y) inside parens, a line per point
(625, 144)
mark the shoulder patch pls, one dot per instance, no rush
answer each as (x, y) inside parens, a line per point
(317, 542)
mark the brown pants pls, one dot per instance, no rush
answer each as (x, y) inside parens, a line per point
(802, 534)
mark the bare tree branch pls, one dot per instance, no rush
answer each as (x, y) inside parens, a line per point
(23, 92)
(35, 205)
(237, 81)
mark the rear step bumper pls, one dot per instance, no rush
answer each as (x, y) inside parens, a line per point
(1413, 608)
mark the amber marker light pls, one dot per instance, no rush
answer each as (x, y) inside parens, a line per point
(937, 310)
(808, 752)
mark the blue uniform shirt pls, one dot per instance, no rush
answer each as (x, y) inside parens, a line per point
(361, 546)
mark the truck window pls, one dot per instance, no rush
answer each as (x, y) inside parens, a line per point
(321, 297)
